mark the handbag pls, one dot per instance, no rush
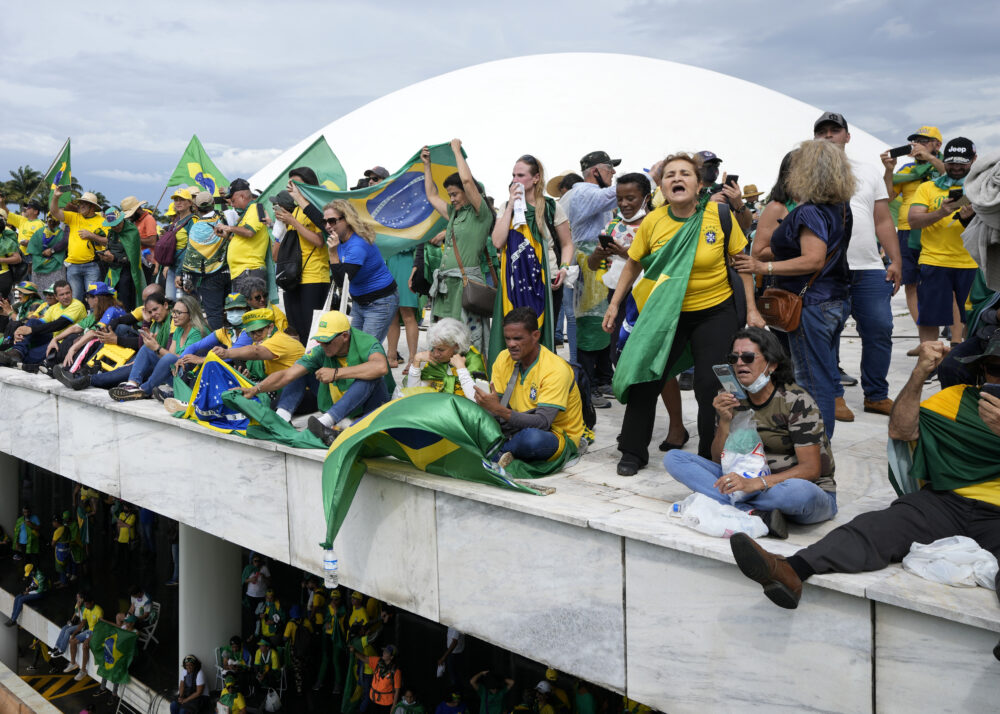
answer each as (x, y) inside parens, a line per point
(477, 298)
(165, 249)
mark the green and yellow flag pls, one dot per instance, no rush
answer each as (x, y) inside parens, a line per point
(59, 174)
(321, 159)
(196, 168)
(397, 207)
(113, 649)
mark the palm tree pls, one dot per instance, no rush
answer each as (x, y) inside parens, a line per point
(22, 184)
(102, 199)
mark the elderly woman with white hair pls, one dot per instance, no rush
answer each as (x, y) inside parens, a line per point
(451, 363)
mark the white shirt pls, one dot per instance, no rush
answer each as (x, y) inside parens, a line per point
(862, 251)
(141, 606)
(259, 588)
(453, 635)
(199, 681)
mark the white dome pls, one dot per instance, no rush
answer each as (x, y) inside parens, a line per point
(559, 107)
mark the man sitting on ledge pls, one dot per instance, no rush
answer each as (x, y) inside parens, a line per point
(533, 395)
(31, 340)
(353, 365)
(957, 454)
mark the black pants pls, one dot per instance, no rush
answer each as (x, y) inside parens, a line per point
(709, 332)
(6, 283)
(597, 365)
(873, 540)
(126, 288)
(299, 305)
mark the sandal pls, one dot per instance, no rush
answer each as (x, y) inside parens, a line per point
(665, 445)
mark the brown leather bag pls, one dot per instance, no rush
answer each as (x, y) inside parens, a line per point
(477, 298)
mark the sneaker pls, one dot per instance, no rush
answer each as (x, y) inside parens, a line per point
(599, 401)
(173, 405)
(162, 393)
(846, 379)
(70, 667)
(321, 431)
(31, 668)
(841, 412)
(686, 381)
(505, 459)
(71, 380)
(127, 392)
(606, 389)
(80, 675)
(879, 406)
(54, 653)
(10, 358)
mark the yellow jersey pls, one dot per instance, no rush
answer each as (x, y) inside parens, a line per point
(248, 253)
(941, 242)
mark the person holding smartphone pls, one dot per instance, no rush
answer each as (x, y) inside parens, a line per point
(801, 486)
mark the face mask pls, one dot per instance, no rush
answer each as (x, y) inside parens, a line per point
(234, 317)
(763, 379)
(637, 215)
(709, 174)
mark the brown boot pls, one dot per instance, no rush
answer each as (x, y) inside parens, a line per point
(841, 411)
(879, 406)
(781, 585)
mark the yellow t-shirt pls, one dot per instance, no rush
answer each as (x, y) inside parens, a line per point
(126, 534)
(941, 242)
(906, 191)
(75, 311)
(248, 253)
(549, 382)
(81, 250)
(708, 284)
(287, 351)
(315, 259)
(25, 229)
(93, 615)
(280, 319)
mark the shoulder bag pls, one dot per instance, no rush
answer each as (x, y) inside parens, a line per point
(477, 298)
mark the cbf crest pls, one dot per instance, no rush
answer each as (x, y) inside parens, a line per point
(710, 237)
(533, 394)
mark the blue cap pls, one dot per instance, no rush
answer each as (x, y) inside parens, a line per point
(95, 289)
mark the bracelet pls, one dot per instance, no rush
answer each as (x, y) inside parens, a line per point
(770, 267)
(563, 265)
(764, 481)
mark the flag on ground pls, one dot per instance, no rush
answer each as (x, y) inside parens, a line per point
(397, 206)
(113, 649)
(59, 174)
(196, 168)
(321, 159)
(439, 433)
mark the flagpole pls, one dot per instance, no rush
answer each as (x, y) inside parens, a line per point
(51, 166)
(157, 206)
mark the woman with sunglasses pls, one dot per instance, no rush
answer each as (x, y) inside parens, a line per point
(526, 229)
(801, 485)
(374, 295)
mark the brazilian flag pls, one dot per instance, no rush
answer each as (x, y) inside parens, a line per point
(321, 159)
(113, 649)
(59, 174)
(196, 168)
(397, 206)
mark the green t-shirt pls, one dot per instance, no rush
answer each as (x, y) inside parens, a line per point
(194, 334)
(362, 347)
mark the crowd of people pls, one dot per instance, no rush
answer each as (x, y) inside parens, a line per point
(652, 282)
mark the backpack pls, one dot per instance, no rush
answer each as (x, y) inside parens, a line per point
(586, 403)
(206, 253)
(735, 281)
(288, 265)
(165, 249)
(303, 642)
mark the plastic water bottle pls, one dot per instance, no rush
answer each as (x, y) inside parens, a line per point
(677, 509)
(331, 577)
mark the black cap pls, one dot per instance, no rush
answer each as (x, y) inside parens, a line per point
(707, 156)
(597, 157)
(239, 185)
(992, 350)
(377, 171)
(36, 204)
(959, 151)
(831, 118)
(284, 199)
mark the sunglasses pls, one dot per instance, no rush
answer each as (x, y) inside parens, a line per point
(332, 221)
(745, 357)
(256, 298)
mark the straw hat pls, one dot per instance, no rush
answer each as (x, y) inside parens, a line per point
(750, 191)
(90, 198)
(131, 204)
(552, 185)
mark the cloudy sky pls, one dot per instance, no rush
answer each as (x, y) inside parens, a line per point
(131, 82)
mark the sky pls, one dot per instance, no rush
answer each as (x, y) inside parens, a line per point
(131, 82)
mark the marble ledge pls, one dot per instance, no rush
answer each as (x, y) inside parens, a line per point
(977, 606)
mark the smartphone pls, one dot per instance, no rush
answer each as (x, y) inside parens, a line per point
(963, 201)
(732, 179)
(991, 389)
(955, 194)
(897, 151)
(605, 240)
(727, 378)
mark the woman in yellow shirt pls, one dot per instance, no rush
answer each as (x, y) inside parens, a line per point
(314, 286)
(704, 322)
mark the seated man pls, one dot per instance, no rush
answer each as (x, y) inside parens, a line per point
(533, 395)
(957, 454)
(92, 614)
(31, 340)
(138, 612)
(350, 361)
(36, 585)
(266, 667)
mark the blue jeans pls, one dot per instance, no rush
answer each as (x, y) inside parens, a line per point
(32, 350)
(62, 641)
(531, 445)
(814, 353)
(149, 370)
(367, 394)
(107, 380)
(869, 305)
(375, 317)
(569, 311)
(79, 276)
(800, 500)
(19, 603)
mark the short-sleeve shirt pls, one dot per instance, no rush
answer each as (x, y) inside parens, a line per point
(862, 253)
(373, 274)
(80, 250)
(75, 311)
(126, 534)
(315, 258)
(248, 253)
(193, 335)
(271, 661)
(469, 229)
(141, 606)
(383, 687)
(941, 242)
(790, 419)
(708, 284)
(833, 226)
(549, 382)
(147, 226)
(908, 189)
(93, 615)
(287, 350)
(25, 229)
(316, 358)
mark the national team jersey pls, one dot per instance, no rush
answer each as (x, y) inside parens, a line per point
(80, 250)
(941, 242)
(287, 350)
(907, 190)
(248, 253)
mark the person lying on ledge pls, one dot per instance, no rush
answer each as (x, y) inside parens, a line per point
(957, 434)
(800, 485)
(533, 394)
(352, 365)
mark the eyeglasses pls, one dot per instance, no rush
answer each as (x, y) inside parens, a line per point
(332, 221)
(178, 312)
(745, 357)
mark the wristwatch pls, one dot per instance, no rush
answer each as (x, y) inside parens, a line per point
(770, 268)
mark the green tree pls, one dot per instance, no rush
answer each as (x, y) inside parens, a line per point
(22, 184)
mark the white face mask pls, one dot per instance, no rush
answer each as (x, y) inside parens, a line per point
(763, 379)
(637, 216)
(234, 317)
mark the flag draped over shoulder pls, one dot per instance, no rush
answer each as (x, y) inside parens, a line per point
(397, 206)
(321, 159)
(113, 649)
(59, 174)
(196, 168)
(439, 433)
(658, 295)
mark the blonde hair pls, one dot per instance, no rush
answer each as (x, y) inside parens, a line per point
(350, 214)
(820, 173)
(532, 163)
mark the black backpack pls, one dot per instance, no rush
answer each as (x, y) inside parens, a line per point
(303, 641)
(288, 266)
(586, 403)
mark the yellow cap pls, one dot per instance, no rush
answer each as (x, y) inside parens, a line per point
(331, 324)
(182, 193)
(256, 319)
(27, 569)
(550, 674)
(931, 132)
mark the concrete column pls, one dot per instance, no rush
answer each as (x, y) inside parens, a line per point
(209, 597)
(8, 647)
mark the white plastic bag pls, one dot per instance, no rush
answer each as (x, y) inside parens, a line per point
(956, 560)
(710, 517)
(743, 452)
(272, 702)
